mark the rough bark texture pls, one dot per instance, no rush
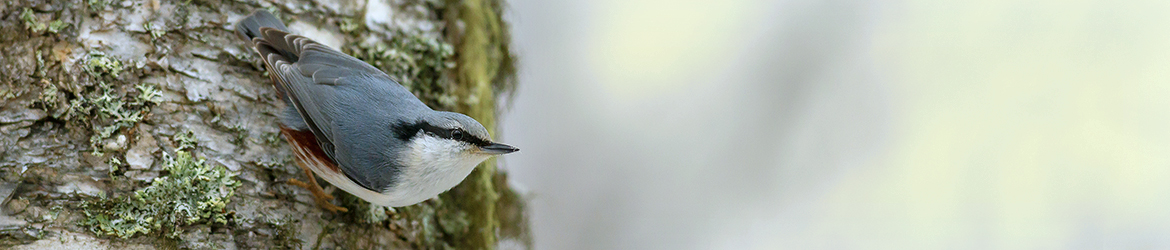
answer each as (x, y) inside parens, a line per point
(146, 124)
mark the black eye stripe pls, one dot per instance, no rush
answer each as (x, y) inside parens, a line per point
(405, 131)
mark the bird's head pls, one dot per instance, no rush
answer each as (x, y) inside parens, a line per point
(449, 139)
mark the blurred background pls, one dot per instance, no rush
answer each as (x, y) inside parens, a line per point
(840, 124)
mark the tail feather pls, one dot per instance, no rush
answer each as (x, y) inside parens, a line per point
(267, 35)
(249, 28)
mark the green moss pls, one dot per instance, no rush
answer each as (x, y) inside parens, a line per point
(6, 94)
(240, 132)
(348, 25)
(30, 19)
(271, 138)
(114, 163)
(32, 23)
(106, 107)
(57, 25)
(147, 94)
(98, 5)
(185, 139)
(101, 102)
(98, 65)
(49, 95)
(155, 31)
(269, 164)
(193, 193)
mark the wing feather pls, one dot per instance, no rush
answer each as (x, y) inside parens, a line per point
(313, 78)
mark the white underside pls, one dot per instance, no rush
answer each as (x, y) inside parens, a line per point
(434, 166)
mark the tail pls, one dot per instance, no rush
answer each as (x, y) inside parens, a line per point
(253, 29)
(249, 28)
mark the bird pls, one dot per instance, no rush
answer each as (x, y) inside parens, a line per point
(359, 129)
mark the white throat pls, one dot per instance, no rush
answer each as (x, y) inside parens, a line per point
(431, 165)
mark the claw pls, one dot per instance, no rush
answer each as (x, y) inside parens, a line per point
(319, 195)
(332, 208)
(298, 183)
(317, 191)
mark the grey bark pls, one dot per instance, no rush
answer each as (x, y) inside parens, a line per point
(101, 100)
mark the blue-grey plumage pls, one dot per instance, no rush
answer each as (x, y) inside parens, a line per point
(381, 137)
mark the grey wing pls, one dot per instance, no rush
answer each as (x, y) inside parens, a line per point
(312, 84)
(280, 52)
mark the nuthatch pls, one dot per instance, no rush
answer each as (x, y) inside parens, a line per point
(359, 129)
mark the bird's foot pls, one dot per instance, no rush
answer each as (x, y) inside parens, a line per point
(319, 195)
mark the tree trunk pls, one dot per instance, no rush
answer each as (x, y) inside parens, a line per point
(147, 124)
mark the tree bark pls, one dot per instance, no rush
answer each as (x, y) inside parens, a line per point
(147, 124)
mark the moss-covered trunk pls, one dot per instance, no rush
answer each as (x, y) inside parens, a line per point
(147, 124)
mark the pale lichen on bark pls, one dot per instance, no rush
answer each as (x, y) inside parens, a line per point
(99, 98)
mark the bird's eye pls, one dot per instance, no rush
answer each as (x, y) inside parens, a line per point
(456, 134)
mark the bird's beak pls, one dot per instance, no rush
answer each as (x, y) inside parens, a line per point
(498, 149)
